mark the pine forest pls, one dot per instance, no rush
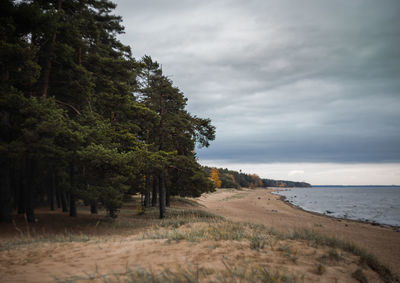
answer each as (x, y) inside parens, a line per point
(82, 119)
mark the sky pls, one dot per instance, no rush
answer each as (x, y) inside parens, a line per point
(297, 90)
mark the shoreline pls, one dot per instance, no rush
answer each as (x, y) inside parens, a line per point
(197, 237)
(261, 206)
(372, 223)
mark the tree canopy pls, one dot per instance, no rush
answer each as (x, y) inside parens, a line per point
(81, 118)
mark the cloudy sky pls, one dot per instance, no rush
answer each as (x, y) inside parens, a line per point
(300, 90)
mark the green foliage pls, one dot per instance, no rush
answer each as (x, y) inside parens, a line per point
(81, 118)
(186, 177)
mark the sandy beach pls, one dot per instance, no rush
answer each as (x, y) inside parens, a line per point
(136, 244)
(262, 207)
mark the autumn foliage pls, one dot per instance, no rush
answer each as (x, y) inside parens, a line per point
(215, 177)
(256, 181)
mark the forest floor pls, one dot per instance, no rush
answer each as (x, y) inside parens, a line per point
(226, 236)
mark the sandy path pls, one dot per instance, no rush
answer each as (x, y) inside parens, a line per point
(261, 207)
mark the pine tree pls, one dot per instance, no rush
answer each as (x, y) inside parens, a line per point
(82, 119)
(177, 132)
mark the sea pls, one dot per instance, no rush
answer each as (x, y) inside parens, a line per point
(375, 204)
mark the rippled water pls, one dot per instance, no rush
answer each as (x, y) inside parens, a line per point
(374, 204)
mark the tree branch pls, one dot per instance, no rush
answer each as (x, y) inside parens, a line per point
(69, 105)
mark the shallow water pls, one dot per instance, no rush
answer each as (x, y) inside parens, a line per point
(374, 204)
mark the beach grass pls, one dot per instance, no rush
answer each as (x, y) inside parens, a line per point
(188, 274)
(186, 201)
(39, 239)
(197, 225)
(359, 276)
(366, 259)
(259, 235)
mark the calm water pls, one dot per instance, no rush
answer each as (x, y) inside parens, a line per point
(375, 204)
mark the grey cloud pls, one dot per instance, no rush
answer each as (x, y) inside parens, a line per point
(281, 80)
(313, 149)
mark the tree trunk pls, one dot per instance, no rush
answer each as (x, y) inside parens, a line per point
(5, 175)
(58, 198)
(161, 179)
(51, 199)
(154, 193)
(14, 182)
(167, 196)
(72, 201)
(29, 194)
(46, 72)
(146, 202)
(64, 201)
(21, 193)
(21, 189)
(93, 207)
(162, 195)
(5, 193)
(72, 206)
(56, 189)
(51, 190)
(147, 193)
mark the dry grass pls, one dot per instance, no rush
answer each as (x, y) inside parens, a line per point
(189, 275)
(366, 259)
(128, 221)
(360, 276)
(258, 235)
(181, 201)
(319, 269)
(30, 240)
(196, 225)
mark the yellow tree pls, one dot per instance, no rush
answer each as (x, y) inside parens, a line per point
(215, 177)
(256, 181)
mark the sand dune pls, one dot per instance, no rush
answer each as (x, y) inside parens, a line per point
(110, 255)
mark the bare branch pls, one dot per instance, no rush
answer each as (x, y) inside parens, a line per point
(69, 105)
